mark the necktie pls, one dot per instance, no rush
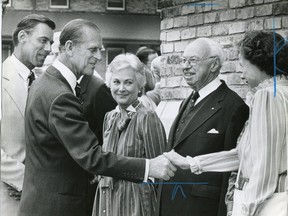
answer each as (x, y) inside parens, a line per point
(31, 78)
(78, 93)
(194, 98)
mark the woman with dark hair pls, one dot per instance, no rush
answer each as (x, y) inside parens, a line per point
(261, 152)
(131, 130)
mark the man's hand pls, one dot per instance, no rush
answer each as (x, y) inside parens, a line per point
(14, 193)
(177, 159)
(160, 167)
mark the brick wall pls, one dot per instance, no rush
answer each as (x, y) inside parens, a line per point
(132, 6)
(224, 21)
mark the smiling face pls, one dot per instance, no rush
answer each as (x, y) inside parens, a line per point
(197, 65)
(36, 45)
(88, 52)
(124, 87)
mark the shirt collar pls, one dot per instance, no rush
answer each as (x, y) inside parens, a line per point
(66, 73)
(21, 68)
(209, 88)
(129, 109)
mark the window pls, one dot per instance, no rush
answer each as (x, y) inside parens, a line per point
(158, 5)
(6, 50)
(6, 3)
(115, 5)
(59, 3)
(111, 53)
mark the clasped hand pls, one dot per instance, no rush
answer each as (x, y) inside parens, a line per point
(183, 162)
(177, 159)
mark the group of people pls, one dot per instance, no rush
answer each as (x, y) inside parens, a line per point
(59, 137)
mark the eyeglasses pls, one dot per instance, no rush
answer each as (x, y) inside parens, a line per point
(192, 62)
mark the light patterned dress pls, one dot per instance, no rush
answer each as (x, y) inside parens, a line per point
(262, 147)
(142, 137)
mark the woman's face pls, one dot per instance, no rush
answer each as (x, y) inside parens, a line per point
(251, 73)
(124, 87)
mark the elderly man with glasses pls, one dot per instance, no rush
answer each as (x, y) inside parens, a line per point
(209, 120)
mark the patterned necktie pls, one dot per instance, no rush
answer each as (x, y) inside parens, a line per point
(194, 98)
(31, 78)
(78, 93)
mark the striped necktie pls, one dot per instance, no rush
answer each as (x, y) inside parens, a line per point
(78, 93)
(31, 78)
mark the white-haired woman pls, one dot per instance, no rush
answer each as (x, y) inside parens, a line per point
(130, 130)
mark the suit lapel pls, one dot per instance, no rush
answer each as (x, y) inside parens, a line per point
(84, 83)
(176, 121)
(51, 70)
(211, 107)
(14, 86)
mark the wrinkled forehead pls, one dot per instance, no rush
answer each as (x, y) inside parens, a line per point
(198, 48)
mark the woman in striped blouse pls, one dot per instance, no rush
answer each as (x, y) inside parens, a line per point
(129, 130)
(261, 154)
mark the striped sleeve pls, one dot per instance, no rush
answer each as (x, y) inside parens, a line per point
(266, 140)
(153, 135)
(224, 161)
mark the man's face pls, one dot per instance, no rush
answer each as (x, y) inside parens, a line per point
(37, 45)
(196, 63)
(88, 52)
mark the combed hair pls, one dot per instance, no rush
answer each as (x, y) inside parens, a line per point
(143, 53)
(73, 31)
(215, 49)
(258, 48)
(127, 60)
(29, 22)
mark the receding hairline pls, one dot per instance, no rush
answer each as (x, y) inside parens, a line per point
(213, 48)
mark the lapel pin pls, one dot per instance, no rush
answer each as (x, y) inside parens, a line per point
(212, 108)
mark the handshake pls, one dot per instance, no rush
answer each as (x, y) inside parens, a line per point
(164, 166)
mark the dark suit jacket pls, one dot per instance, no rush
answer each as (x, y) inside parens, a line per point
(61, 148)
(226, 112)
(97, 102)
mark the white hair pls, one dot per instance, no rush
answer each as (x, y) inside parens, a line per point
(124, 61)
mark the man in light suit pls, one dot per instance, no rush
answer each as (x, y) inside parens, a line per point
(61, 147)
(209, 120)
(32, 39)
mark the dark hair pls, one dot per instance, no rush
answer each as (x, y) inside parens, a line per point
(258, 48)
(143, 53)
(73, 30)
(29, 22)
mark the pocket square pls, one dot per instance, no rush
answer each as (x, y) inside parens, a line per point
(213, 131)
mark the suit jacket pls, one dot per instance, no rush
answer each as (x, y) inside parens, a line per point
(61, 148)
(12, 135)
(225, 112)
(97, 102)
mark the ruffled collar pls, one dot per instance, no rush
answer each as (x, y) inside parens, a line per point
(269, 82)
(280, 79)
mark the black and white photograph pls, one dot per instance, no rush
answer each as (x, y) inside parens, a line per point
(144, 108)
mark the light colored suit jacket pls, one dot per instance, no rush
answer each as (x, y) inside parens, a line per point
(14, 97)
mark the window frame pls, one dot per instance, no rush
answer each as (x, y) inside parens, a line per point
(59, 6)
(8, 4)
(107, 49)
(116, 8)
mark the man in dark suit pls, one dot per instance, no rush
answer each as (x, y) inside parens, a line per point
(209, 120)
(97, 101)
(61, 148)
